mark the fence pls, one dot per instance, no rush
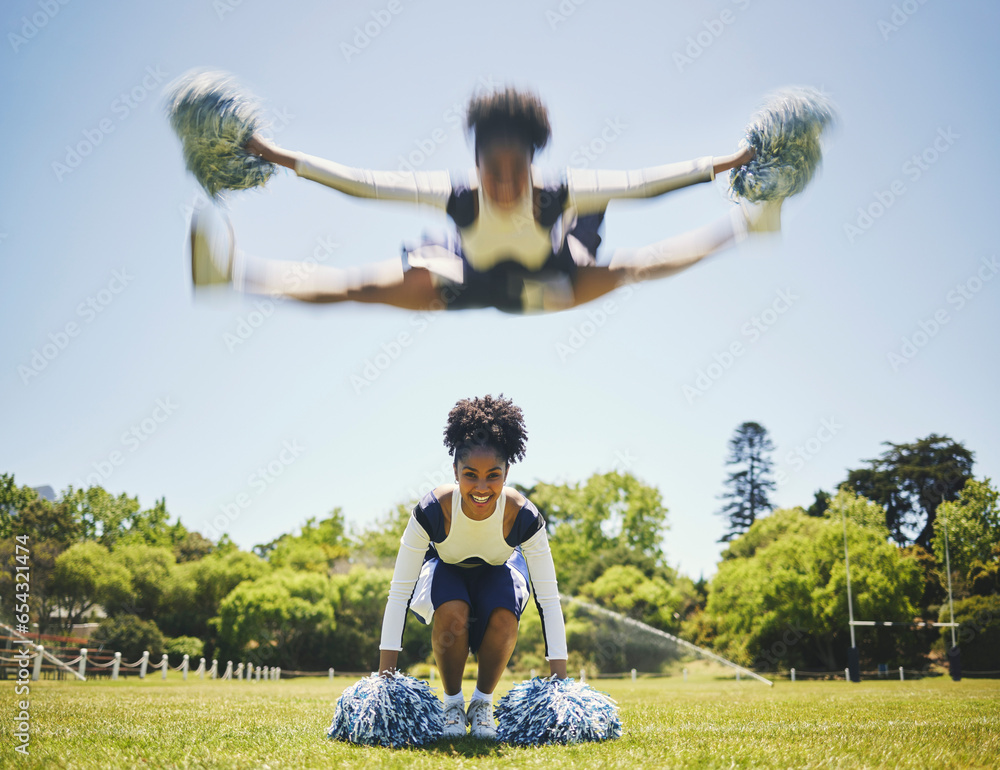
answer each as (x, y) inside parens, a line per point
(49, 656)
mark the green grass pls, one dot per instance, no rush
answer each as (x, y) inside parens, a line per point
(705, 722)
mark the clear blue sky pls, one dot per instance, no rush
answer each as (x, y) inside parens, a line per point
(92, 259)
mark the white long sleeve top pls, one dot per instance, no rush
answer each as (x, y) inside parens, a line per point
(425, 538)
(488, 234)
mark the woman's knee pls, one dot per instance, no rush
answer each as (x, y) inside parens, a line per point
(503, 620)
(452, 617)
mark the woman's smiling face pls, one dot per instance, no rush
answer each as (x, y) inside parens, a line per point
(481, 474)
(504, 171)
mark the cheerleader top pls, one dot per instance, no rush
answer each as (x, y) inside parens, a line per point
(528, 232)
(469, 543)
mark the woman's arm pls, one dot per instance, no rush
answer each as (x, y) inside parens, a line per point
(428, 187)
(542, 572)
(591, 190)
(409, 560)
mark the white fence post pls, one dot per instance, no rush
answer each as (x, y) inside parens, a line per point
(633, 674)
(163, 666)
(239, 672)
(900, 673)
(39, 653)
(83, 662)
(184, 666)
(213, 672)
(258, 673)
(331, 673)
(583, 675)
(533, 673)
(431, 677)
(249, 672)
(229, 670)
(737, 675)
(115, 666)
(267, 673)
(793, 674)
(277, 674)
(201, 668)
(685, 674)
(847, 674)
(144, 664)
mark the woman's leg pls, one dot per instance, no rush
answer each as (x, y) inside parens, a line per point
(383, 282)
(450, 639)
(671, 256)
(496, 648)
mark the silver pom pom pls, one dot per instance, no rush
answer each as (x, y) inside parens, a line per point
(214, 118)
(785, 134)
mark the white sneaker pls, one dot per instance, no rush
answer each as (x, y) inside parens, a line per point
(213, 245)
(481, 719)
(455, 722)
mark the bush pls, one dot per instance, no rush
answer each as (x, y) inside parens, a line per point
(179, 646)
(978, 632)
(130, 636)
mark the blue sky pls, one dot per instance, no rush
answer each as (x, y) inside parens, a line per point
(876, 312)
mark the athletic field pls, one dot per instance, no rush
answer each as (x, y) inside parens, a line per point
(705, 722)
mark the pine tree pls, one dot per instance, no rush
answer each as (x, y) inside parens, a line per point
(746, 494)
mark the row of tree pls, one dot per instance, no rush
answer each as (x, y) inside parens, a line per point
(314, 598)
(910, 481)
(780, 593)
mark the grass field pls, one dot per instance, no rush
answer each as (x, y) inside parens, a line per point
(706, 722)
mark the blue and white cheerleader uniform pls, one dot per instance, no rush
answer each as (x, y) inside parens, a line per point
(520, 260)
(476, 564)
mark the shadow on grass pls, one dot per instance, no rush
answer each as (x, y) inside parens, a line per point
(457, 747)
(464, 747)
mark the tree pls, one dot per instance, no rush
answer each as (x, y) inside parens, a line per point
(973, 526)
(195, 589)
(272, 618)
(103, 518)
(149, 569)
(654, 601)
(750, 447)
(779, 597)
(820, 503)
(192, 547)
(911, 480)
(12, 499)
(612, 518)
(50, 529)
(85, 576)
(378, 545)
(128, 635)
(317, 547)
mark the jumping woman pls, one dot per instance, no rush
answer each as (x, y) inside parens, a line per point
(522, 244)
(472, 554)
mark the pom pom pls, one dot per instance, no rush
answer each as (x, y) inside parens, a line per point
(556, 711)
(391, 711)
(214, 118)
(785, 134)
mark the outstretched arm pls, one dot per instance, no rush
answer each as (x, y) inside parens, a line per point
(427, 187)
(591, 190)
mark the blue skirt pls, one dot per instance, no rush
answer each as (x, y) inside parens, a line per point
(508, 285)
(484, 588)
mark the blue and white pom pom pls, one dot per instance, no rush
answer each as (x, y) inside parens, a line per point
(785, 134)
(555, 710)
(214, 118)
(391, 711)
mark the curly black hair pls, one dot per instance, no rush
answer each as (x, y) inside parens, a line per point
(492, 422)
(509, 114)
